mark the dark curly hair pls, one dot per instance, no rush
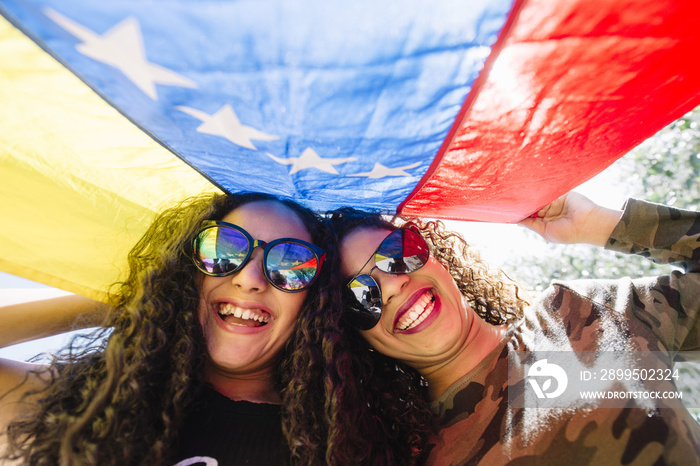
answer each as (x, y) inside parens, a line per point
(388, 398)
(122, 397)
(364, 424)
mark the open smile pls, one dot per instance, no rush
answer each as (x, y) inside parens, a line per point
(242, 317)
(417, 313)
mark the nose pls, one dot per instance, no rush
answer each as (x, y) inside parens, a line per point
(251, 277)
(391, 284)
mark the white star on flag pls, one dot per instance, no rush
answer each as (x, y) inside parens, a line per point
(380, 171)
(122, 47)
(225, 123)
(310, 159)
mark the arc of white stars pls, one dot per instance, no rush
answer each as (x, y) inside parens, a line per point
(380, 171)
(225, 123)
(122, 47)
(310, 159)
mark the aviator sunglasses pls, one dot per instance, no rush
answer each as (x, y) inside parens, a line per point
(289, 264)
(402, 251)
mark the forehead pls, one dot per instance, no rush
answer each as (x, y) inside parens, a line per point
(268, 220)
(358, 246)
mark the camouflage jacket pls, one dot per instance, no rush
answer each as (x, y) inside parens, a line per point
(475, 423)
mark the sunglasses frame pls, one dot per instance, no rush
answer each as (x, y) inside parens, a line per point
(373, 313)
(318, 253)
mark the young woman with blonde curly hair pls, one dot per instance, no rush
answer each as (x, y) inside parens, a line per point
(212, 351)
(420, 303)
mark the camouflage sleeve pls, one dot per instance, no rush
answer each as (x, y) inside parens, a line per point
(663, 234)
(668, 305)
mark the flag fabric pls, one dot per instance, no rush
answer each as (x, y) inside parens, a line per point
(483, 110)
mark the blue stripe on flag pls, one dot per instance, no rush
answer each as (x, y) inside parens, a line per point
(320, 100)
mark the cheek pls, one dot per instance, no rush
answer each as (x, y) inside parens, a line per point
(203, 317)
(444, 278)
(204, 285)
(291, 303)
(373, 336)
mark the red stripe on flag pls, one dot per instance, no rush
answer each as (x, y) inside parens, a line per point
(576, 85)
(473, 92)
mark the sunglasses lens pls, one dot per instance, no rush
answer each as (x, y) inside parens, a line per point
(368, 299)
(403, 251)
(291, 266)
(220, 251)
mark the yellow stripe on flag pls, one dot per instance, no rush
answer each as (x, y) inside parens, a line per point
(79, 183)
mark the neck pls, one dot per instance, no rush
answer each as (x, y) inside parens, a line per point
(481, 339)
(257, 387)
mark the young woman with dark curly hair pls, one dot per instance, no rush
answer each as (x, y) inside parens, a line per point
(419, 302)
(210, 352)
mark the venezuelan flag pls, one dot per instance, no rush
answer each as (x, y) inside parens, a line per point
(482, 110)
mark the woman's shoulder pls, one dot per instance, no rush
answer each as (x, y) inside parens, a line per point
(17, 382)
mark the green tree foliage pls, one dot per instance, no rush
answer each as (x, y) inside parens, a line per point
(663, 169)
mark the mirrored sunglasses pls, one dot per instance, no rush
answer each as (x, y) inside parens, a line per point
(289, 264)
(402, 251)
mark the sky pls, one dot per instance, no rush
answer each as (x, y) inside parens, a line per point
(496, 242)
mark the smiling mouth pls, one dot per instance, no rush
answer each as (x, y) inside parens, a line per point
(420, 311)
(242, 317)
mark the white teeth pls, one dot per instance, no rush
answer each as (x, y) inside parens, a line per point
(418, 312)
(227, 309)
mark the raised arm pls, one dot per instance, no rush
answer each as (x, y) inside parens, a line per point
(668, 305)
(30, 321)
(663, 234)
(48, 317)
(573, 218)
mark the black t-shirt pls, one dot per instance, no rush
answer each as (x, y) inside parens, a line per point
(220, 431)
